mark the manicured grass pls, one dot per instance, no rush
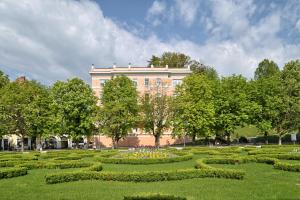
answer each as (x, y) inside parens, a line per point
(261, 181)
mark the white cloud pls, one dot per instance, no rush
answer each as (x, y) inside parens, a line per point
(156, 12)
(57, 39)
(187, 10)
(298, 25)
(183, 10)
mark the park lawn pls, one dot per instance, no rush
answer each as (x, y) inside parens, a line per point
(261, 182)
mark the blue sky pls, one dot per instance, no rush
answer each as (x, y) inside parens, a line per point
(51, 40)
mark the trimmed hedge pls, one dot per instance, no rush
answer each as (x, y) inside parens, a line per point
(53, 165)
(287, 166)
(144, 176)
(154, 197)
(183, 157)
(12, 172)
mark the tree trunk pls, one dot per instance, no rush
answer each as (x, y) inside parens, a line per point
(157, 141)
(114, 143)
(22, 143)
(266, 138)
(39, 146)
(228, 139)
(194, 139)
(279, 140)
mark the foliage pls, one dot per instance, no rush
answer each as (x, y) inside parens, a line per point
(12, 172)
(3, 79)
(119, 109)
(172, 59)
(147, 160)
(73, 106)
(156, 112)
(194, 112)
(234, 106)
(287, 166)
(266, 68)
(24, 109)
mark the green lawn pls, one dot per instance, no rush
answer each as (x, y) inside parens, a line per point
(261, 182)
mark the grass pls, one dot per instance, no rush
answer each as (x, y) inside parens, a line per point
(261, 182)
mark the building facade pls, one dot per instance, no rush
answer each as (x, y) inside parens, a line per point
(146, 79)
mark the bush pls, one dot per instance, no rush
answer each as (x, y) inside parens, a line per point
(12, 172)
(53, 165)
(144, 176)
(154, 197)
(146, 161)
(287, 166)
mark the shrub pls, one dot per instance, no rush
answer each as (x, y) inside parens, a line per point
(144, 176)
(154, 197)
(287, 166)
(12, 172)
(53, 165)
(145, 161)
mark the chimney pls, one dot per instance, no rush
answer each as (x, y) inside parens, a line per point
(152, 66)
(93, 66)
(129, 65)
(167, 66)
(189, 67)
(114, 66)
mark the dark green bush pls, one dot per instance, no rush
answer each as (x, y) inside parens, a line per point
(12, 172)
(154, 197)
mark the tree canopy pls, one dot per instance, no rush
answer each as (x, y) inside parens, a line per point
(74, 108)
(119, 108)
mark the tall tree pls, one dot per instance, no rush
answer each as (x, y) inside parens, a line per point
(267, 93)
(156, 111)
(233, 106)
(194, 112)
(266, 68)
(119, 110)
(18, 104)
(74, 107)
(291, 87)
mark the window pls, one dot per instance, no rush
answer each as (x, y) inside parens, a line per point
(135, 82)
(103, 81)
(176, 82)
(158, 82)
(146, 82)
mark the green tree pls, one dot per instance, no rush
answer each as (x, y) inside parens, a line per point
(266, 68)
(234, 107)
(267, 93)
(291, 87)
(194, 112)
(172, 59)
(19, 109)
(119, 110)
(156, 111)
(74, 108)
(3, 79)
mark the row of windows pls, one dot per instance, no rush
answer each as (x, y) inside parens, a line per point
(175, 82)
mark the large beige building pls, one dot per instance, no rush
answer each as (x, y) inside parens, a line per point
(145, 79)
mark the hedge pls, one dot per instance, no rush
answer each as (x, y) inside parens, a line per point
(12, 172)
(146, 161)
(143, 176)
(287, 166)
(154, 197)
(60, 165)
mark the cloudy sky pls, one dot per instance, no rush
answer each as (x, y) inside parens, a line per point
(51, 40)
